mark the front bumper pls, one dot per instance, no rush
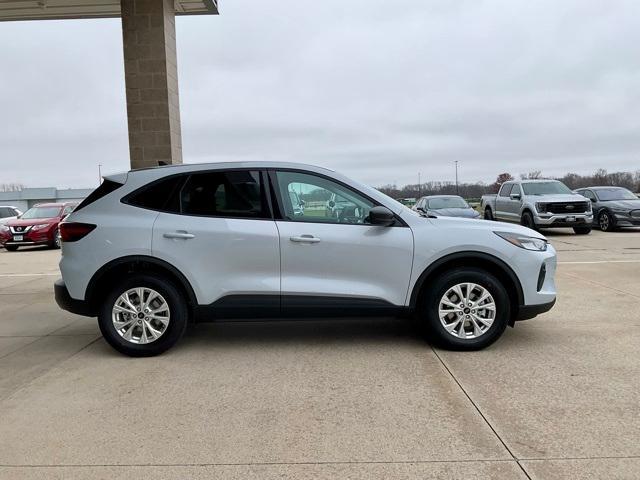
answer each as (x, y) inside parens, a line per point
(65, 302)
(626, 220)
(553, 220)
(525, 312)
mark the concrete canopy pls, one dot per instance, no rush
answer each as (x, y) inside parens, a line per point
(60, 9)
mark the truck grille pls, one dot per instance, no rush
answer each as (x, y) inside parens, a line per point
(567, 207)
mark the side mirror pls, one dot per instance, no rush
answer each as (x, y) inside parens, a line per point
(381, 216)
(593, 200)
(515, 196)
(302, 203)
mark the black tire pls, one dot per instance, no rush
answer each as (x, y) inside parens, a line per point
(56, 239)
(179, 316)
(582, 230)
(527, 221)
(11, 248)
(487, 214)
(606, 221)
(429, 316)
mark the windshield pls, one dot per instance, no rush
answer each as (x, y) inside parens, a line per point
(41, 212)
(544, 188)
(607, 194)
(446, 202)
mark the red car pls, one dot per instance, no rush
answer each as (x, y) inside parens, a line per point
(36, 226)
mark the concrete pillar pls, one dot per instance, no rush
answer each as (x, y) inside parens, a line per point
(151, 79)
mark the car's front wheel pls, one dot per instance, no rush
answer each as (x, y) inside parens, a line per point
(465, 309)
(11, 248)
(487, 214)
(527, 221)
(582, 230)
(606, 221)
(143, 316)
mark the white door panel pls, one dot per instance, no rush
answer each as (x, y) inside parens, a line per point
(346, 260)
(220, 256)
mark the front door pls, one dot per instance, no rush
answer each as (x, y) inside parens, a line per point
(330, 255)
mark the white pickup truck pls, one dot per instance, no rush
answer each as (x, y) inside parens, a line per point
(539, 204)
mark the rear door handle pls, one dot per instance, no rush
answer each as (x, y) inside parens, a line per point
(305, 239)
(183, 235)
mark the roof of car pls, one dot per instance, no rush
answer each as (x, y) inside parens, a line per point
(534, 180)
(442, 196)
(55, 204)
(236, 164)
(602, 187)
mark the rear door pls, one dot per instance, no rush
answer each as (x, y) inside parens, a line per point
(335, 259)
(219, 232)
(502, 201)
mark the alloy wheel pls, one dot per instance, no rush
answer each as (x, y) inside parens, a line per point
(467, 310)
(140, 315)
(604, 221)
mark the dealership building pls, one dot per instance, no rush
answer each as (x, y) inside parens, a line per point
(28, 197)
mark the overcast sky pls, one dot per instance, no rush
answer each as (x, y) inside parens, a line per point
(378, 90)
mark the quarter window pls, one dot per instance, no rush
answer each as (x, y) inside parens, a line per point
(310, 198)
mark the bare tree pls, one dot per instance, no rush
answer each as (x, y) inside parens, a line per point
(532, 175)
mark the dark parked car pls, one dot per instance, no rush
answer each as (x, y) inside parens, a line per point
(445, 206)
(36, 226)
(613, 207)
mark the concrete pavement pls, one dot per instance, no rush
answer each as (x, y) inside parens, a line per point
(556, 397)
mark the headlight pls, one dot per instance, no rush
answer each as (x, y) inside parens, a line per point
(541, 207)
(624, 211)
(4, 228)
(524, 241)
(40, 227)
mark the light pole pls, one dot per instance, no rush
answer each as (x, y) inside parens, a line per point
(457, 192)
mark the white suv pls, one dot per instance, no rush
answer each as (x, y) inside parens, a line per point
(151, 250)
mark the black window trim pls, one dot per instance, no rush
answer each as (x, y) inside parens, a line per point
(180, 185)
(278, 205)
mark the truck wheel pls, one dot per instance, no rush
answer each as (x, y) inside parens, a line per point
(143, 315)
(606, 222)
(465, 309)
(582, 230)
(527, 221)
(487, 214)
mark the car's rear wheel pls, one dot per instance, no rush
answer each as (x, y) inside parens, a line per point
(11, 248)
(143, 316)
(606, 221)
(465, 309)
(487, 214)
(582, 230)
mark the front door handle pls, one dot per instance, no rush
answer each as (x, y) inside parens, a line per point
(305, 239)
(182, 235)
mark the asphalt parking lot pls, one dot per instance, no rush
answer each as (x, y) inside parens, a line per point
(557, 397)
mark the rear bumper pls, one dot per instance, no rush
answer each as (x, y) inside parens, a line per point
(65, 302)
(525, 312)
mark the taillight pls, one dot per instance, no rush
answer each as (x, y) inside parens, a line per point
(73, 231)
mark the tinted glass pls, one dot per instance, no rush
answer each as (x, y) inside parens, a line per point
(516, 190)
(545, 188)
(6, 212)
(447, 202)
(322, 200)
(105, 188)
(161, 195)
(608, 194)
(224, 194)
(587, 193)
(505, 191)
(41, 212)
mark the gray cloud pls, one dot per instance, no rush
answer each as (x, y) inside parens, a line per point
(377, 90)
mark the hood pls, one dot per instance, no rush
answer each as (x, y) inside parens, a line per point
(559, 197)
(19, 222)
(455, 212)
(474, 224)
(625, 204)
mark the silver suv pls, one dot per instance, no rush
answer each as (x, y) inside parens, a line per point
(151, 250)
